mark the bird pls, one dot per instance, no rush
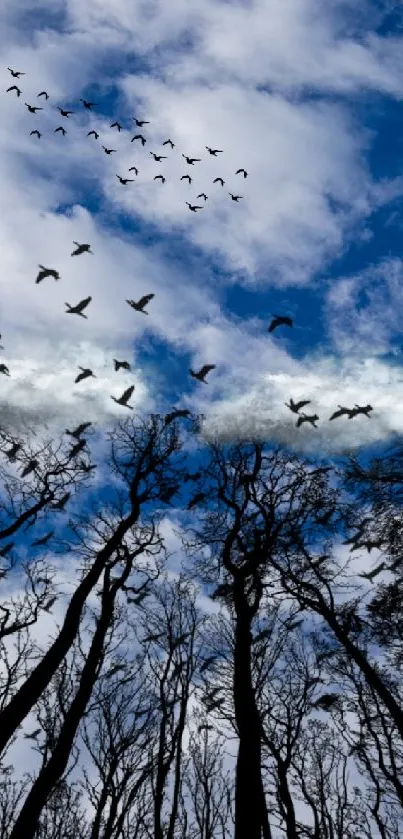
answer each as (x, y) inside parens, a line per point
(36, 132)
(200, 374)
(108, 151)
(134, 169)
(207, 663)
(140, 597)
(12, 452)
(169, 142)
(340, 413)
(60, 505)
(124, 398)
(32, 108)
(200, 496)
(158, 157)
(43, 93)
(141, 122)
(370, 575)
(244, 172)
(279, 320)
(159, 177)
(30, 467)
(140, 304)
(33, 734)
(326, 701)
(95, 133)
(202, 195)
(78, 309)
(191, 160)
(79, 446)
(191, 476)
(4, 369)
(5, 549)
(214, 152)
(81, 248)
(46, 272)
(85, 374)
(219, 180)
(305, 418)
(88, 105)
(16, 73)
(361, 409)
(121, 364)
(139, 137)
(186, 177)
(177, 413)
(205, 727)
(64, 113)
(193, 207)
(76, 433)
(43, 540)
(60, 128)
(296, 406)
(124, 181)
(235, 197)
(117, 125)
(168, 492)
(14, 87)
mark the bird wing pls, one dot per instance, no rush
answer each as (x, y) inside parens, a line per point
(127, 393)
(206, 369)
(336, 414)
(83, 303)
(275, 322)
(301, 404)
(146, 299)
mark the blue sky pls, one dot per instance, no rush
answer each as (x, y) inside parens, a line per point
(307, 99)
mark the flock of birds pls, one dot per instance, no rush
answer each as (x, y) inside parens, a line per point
(141, 304)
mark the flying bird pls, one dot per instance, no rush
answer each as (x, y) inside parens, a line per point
(207, 663)
(158, 157)
(14, 87)
(43, 93)
(191, 160)
(4, 369)
(85, 374)
(81, 248)
(33, 734)
(60, 128)
(193, 207)
(47, 272)
(121, 364)
(177, 413)
(186, 177)
(43, 540)
(93, 133)
(191, 476)
(12, 452)
(326, 701)
(370, 575)
(361, 409)
(200, 374)
(200, 496)
(168, 492)
(79, 446)
(124, 398)
(117, 125)
(32, 108)
(79, 430)
(140, 304)
(296, 406)
(78, 309)
(244, 172)
(65, 113)
(37, 134)
(139, 137)
(340, 413)
(30, 467)
(16, 73)
(219, 181)
(141, 122)
(159, 177)
(235, 197)
(88, 105)
(279, 320)
(134, 169)
(214, 152)
(108, 151)
(169, 142)
(124, 181)
(305, 418)
(202, 195)
(60, 505)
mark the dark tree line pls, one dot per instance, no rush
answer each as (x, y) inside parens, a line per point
(272, 709)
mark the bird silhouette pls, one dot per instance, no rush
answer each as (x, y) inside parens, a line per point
(16, 73)
(12, 451)
(124, 181)
(93, 133)
(43, 93)
(340, 413)
(60, 128)
(207, 663)
(168, 492)
(121, 364)
(279, 320)
(169, 142)
(124, 398)
(134, 169)
(5, 549)
(30, 467)
(79, 430)
(186, 178)
(78, 309)
(81, 248)
(158, 157)
(139, 137)
(79, 446)
(193, 207)
(14, 87)
(191, 476)
(305, 418)
(243, 171)
(202, 195)
(88, 105)
(191, 160)
(32, 108)
(117, 125)
(326, 701)
(140, 304)
(43, 540)
(108, 151)
(296, 406)
(4, 369)
(141, 122)
(36, 133)
(47, 272)
(235, 197)
(177, 413)
(197, 499)
(361, 409)
(65, 113)
(214, 152)
(370, 575)
(219, 181)
(200, 374)
(86, 373)
(60, 505)
(32, 735)
(159, 177)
